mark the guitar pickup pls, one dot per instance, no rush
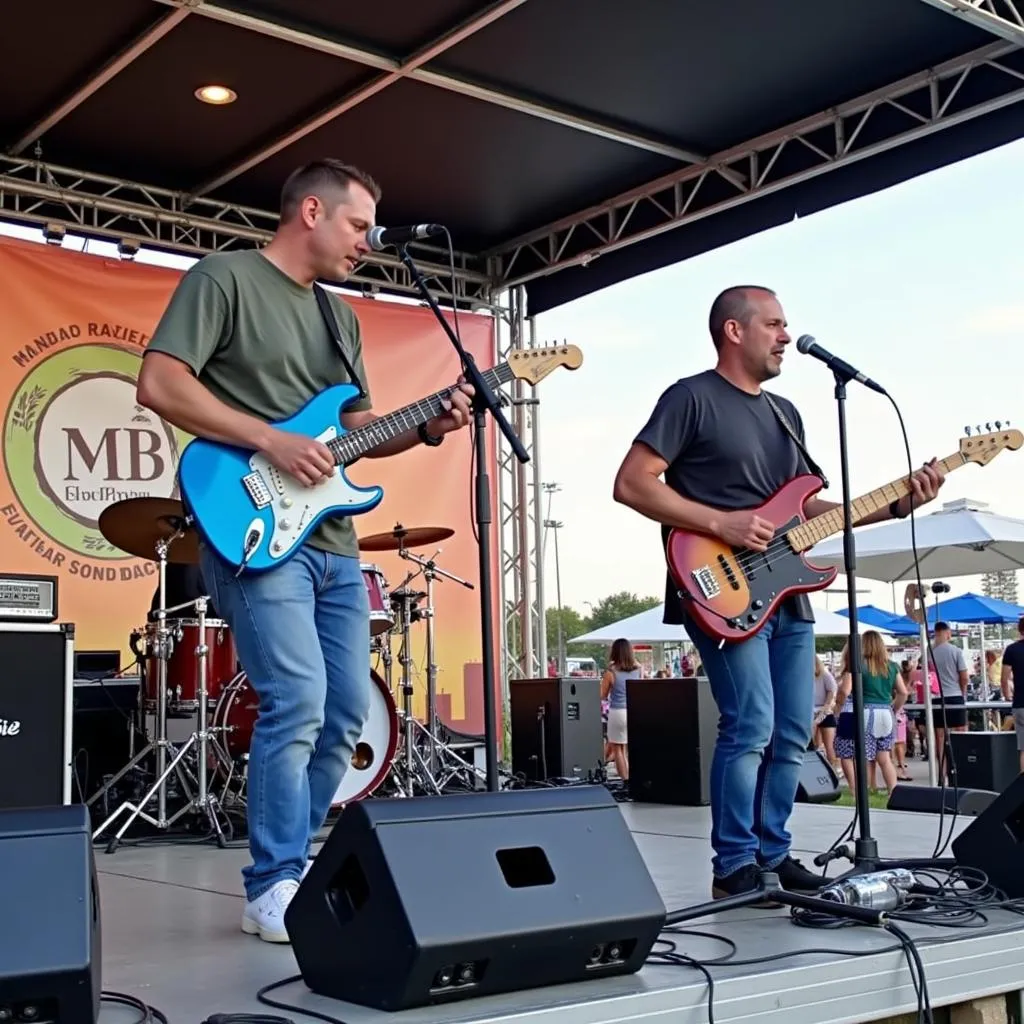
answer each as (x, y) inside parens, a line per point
(706, 582)
(729, 574)
(256, 487)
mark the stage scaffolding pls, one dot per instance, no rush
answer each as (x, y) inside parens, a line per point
(64, 200)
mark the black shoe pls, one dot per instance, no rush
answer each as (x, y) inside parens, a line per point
(796, 878)
(743, 880)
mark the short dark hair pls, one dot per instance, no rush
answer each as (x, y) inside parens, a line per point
(942, 627)
(1020, 624)
(732, 304)
(328, 179)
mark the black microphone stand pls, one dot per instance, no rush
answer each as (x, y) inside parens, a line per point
(484, 401)
(865, 850)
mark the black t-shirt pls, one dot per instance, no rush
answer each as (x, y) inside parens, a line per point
(725, 448)
(1014, 657)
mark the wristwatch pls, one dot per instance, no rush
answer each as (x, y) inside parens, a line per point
(428, 439)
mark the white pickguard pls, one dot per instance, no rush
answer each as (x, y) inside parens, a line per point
(293, 504)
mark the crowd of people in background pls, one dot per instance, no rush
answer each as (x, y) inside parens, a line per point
(892, 733)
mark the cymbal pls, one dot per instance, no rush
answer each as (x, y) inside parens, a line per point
(136, 524)
(401, 536)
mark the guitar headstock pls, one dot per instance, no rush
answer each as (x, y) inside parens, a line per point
(534, 364)
(983, 448)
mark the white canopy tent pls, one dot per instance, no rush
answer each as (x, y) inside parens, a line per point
(647, 628)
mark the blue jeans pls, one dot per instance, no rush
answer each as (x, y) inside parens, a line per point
(302, 632)
(764, 689)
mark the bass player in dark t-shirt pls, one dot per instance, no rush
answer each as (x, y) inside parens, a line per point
(723, 451)
(1012, 684)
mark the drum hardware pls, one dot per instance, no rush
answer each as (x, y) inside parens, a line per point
(432, 770)
(128, 525)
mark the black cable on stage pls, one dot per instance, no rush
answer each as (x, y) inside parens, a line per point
(147, 1013)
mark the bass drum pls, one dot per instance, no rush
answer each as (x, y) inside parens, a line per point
(371, 760)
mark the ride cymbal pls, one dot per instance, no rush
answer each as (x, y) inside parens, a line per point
(403, 537)
(135, 525)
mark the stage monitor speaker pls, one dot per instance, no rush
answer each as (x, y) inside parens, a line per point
(994, 841)
(984, 760)
(556, 728)
(35, 713)
(818, 783)
(50, 952)
(432, 899)
(672, 727)
(968, 803)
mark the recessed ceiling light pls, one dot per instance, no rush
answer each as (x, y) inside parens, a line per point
(217, 95)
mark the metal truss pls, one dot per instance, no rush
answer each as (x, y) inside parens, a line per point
(1002, 18)
(956, 91)
(98, 206)
(524, 647)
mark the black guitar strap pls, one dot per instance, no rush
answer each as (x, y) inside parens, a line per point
(784, 420)
(332, 326)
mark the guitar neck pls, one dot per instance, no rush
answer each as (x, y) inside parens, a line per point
(820, 528)
(358, 442)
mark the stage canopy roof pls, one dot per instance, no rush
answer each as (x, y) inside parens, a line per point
(567, 144)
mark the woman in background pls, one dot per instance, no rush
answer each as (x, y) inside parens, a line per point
(824, 711)
(884, 694)
(622, 665)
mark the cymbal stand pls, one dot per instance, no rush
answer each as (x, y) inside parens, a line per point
(431, 570)
(415, 769)
(160, 745)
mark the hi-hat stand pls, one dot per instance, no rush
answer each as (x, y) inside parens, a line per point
(432, 770)
(203, 801)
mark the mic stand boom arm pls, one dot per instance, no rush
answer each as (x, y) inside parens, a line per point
(484, 401)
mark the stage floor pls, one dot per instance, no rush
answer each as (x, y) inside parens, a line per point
(171, 936)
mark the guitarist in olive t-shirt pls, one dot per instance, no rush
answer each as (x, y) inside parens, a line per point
(723, 449)
(243, 344)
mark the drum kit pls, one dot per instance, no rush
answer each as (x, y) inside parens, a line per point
(189, 670)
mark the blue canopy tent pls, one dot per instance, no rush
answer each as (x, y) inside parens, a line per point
(975, 609)
(878, 618)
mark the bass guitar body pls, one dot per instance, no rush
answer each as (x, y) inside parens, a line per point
(732, 592)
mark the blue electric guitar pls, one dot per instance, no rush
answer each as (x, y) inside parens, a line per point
(256, 517)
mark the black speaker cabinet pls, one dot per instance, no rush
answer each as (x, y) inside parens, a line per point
(50, 940)
(36, 663)
(431, 899)
(984, 760)
(672, 726)
(556, 728)
(994, 841)
(818, 783)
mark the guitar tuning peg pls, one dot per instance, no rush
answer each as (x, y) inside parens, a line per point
(999, 424)
(978, 428)
(988, 428)
(967, 431)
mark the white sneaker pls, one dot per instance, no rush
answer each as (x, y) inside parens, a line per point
(264, 916)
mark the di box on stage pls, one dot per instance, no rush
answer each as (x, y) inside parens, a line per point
(36, 686)
(50, 935)
(431, 899)
(994, 841)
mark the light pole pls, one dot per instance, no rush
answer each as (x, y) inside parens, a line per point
(556, 525)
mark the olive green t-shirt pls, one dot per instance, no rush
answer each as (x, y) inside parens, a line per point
(257, 340)
(878, 689)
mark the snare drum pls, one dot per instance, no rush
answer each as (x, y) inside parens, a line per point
(236, 713)
(381, 618)
(183, 664)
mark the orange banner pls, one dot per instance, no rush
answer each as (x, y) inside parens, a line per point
(72, 331)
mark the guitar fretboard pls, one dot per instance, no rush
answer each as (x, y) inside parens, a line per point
(358, 442)
(820, 528)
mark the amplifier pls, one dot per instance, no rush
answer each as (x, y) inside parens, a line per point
(36, 692)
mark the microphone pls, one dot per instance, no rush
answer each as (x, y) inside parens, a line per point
(806, 344)
(380, 238)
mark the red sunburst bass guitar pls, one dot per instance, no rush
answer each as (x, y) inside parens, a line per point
(732, 592)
